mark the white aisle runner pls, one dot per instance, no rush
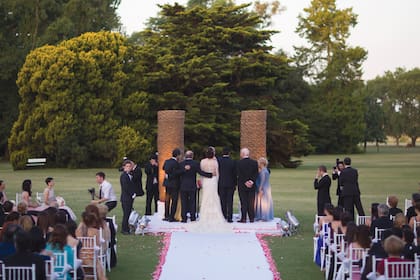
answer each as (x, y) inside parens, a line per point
(197, 256)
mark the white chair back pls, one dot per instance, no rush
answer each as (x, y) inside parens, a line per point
(60, 266)
(357, 257)
(89, 255)
(404, 270)
(407, 204)
(49, 269)
(378, 234)
(363, 220)
(375, 262)
(19, 272)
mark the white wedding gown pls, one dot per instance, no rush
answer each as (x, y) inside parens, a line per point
(211, 216)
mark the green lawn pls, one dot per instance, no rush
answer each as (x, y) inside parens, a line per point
(391, 171)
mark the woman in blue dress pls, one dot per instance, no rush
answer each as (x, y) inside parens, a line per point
(263, 200)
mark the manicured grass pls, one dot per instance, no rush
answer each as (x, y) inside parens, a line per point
(391, 171)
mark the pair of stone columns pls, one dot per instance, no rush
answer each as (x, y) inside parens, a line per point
(171, 136)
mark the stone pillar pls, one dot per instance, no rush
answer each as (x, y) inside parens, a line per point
(254, 132)
(170, 136)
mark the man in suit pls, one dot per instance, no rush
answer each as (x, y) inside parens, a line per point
(152, 184)
(336, 176)
(247, 171)
(128, 193)
(24, 256)
(322, 183)
(137, 175)
(350, 192)
(227, 183)
(383, 222)
(172, 184)
(189, 185)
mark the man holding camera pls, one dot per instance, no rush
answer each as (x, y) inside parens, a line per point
(106, 192)
(339, 166)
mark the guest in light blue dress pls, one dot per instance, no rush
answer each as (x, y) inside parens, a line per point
(264, 209)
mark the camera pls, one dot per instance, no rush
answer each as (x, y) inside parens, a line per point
(92, 192)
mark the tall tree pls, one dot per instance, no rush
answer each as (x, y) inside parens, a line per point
(27, 25)
(213, 62)
(335, 114)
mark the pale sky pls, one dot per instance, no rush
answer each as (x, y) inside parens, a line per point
(388, 29)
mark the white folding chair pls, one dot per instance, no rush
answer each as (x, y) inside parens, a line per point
(49, 269)
(102, 254)
(336, 248)
(406, 270)
(61, 266)
(89, 255)
(18, 198)
(362, 220)
(18, 272)
(325, 233)
(114, 221)
(407, 204)
(378, 234)
(375, 262)
(357, 258)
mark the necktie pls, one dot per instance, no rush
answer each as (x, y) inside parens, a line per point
(100, 192)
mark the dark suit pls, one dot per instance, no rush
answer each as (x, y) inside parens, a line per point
(152, 187)
(171, 183)
(336, 176)
(189, 187)
(350, 191)
(226, 186)
(247, 169)
(323, 186)
(137, 175)
(381, 223)
(27, 259)
(128, 189)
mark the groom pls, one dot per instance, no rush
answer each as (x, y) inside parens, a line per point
(247, 176)
(189, 185)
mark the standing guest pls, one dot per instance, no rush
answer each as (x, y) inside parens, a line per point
(393, 203)
(24, 256)
(58, 244)
(49, 195)
(3, 197)
(415, 220)
(227, 183)
(152, 184)
(128, 193)
(264, 209)
(27, 193)
(188, 185)
(247, 171)
(137, 175)
(106, 192)
(172, 184)
(322, 183)
(336, 176)
(411, 211)
(383, 222)
(350, 191)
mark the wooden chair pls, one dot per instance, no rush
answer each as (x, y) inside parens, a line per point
(18, 272)
(406, 270)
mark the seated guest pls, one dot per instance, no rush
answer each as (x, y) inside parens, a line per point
(24, 256)
(373, 212)
(8, 207)
(58, 244)
(74, 243)
(411, 211)
(415, 220)
(49, 195)
(26, 222)
(328, 215)
(39, 244)
(89, 227)
(27, 193)
(22, 209)
(393, 203)
(394, 246)
(7, 247)
(400, 220)
(351, 233)
(409, 248)
(345, 218)
(336, 223)
(362, 237)
(43, 222)
(12, 217)
(3, 197)
(383, 222)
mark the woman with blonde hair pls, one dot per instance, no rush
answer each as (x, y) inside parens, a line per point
(263, 200)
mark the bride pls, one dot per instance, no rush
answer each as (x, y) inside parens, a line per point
(211, 216)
